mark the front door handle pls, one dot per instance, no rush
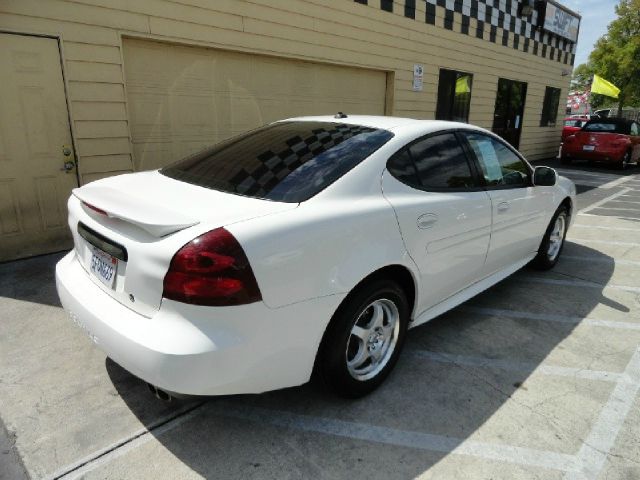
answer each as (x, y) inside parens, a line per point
(427, 220)
(503, 206)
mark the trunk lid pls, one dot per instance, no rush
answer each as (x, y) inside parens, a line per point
(599, 139)
(140, 220)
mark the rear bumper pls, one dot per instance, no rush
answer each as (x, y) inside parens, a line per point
(613, 156)
(199, 350)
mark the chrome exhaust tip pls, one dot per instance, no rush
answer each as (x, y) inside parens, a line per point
(159, 394)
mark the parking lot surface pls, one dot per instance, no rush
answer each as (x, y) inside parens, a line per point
(536, 378)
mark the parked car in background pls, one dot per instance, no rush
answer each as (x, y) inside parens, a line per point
(602, 113)
(572, 125)
(627, 112)
(615, 141)
(310, 243)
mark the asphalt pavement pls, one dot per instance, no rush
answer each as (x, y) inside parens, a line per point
(536, 378)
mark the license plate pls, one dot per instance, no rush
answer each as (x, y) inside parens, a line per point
(588, 148)
(104, 267)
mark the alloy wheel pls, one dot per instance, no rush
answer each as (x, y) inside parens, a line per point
(373, 339)
(556, 236)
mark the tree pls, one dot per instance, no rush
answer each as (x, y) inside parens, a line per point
(581, 78)
(616, 57)
(581, 81)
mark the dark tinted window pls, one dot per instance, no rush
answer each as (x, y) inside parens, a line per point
(613, 125)
(574, 123)
(402, 167)
(498, 164)
(441, 163)
(601, 127)
(454, 95)
(550, 107)
(288, 162)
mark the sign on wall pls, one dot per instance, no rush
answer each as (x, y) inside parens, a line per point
(561, 22)
(418, 76)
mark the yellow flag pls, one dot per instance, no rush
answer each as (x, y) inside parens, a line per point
(604, 87)
(462, 85)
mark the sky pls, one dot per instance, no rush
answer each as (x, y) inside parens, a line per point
(596, 15)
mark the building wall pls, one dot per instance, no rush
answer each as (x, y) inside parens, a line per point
(364, 34)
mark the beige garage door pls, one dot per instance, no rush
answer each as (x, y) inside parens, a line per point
(181, 99)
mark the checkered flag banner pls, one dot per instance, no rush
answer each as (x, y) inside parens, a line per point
(274, 166)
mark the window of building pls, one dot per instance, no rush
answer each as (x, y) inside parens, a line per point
(550, 107)
(454, 96)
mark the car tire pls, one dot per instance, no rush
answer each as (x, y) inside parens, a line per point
(625, 161)
(364, 338)
(553, 240)
(565, 160)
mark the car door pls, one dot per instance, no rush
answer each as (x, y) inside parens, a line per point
(443, 214)
(518, 208)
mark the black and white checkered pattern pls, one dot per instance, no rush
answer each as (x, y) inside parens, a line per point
(501, 19)
(274, 166)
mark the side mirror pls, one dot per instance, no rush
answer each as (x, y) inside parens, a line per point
(544, 177)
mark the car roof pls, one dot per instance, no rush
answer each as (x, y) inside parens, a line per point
(616, 120)
(387, 123)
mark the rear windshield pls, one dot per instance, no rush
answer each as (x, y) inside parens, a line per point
(604, 126)
(286, 162)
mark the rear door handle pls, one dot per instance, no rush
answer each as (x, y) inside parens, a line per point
(427, 220)
(503, 206)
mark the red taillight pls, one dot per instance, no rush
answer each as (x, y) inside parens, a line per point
(211, 270)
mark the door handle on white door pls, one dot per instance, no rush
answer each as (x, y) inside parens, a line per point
(503, 206)
(427, 220)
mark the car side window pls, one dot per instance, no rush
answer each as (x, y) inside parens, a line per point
(498, 164)
(634, 129)
(401, 166)
(436, 162)
(441, 163)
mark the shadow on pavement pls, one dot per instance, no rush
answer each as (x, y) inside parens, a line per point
(31, 279)
(596, 270)
(276, 433)
(584, 188)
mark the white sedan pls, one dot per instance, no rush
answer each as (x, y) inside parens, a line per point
(310, 244)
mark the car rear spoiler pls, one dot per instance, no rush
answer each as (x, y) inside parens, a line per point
(113, 203)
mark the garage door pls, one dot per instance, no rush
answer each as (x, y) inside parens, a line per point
(181, 99)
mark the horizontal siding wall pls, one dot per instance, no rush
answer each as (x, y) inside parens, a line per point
(333, 31)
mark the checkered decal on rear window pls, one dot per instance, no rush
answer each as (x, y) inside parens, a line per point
(494, 20)
(277, 165)
(288, 161)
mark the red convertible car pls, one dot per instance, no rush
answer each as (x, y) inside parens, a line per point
(611, 140)
(572, 125)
